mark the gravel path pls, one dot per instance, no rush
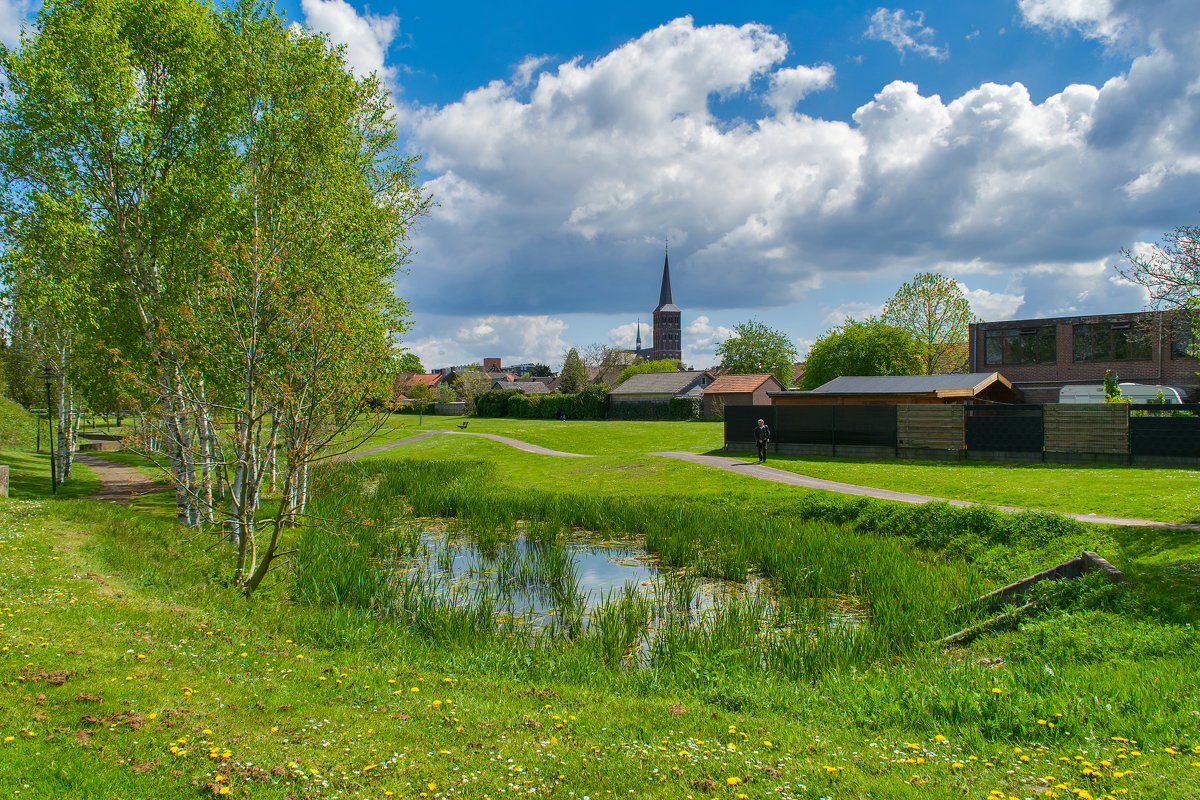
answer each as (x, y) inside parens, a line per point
(118, 483)
(766, 473)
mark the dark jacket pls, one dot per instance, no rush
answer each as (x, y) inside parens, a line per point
(762, 433)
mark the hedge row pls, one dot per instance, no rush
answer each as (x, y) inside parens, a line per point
(590, 403)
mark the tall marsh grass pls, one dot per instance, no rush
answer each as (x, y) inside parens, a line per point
(870, 560)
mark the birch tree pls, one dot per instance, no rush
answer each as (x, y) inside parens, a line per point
(112, 109)
(1170, 273)
(937, 315)
(251, 210)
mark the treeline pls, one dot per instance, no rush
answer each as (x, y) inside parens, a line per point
(204, 212)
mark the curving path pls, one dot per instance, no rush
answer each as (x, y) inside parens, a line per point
(517, 443)
(118, 483)
(766, 473)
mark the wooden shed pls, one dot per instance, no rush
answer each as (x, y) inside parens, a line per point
(865, 390)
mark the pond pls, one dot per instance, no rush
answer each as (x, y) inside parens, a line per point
(567, 586)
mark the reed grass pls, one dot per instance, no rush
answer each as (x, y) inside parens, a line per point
(902, 596)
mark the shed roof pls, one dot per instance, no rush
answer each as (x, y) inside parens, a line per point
(954, 385)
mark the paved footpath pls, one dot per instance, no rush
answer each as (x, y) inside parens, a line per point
(766, 473)
(517, 443)
(118, 483)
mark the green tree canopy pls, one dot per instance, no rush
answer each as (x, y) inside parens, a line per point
(245, 209)
(934, 312)
(1170, 273)
(410, 362)
(662, 365)
(870, 347)
(574, 373)
(756, 348)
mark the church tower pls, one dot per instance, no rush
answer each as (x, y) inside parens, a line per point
(666, 319)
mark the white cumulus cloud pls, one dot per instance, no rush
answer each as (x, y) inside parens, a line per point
(367, 37)
(14, 14)
(792, 84)
(1093, 18)
(907, 34)
(990, 306)
(514, 339)
(557, 195)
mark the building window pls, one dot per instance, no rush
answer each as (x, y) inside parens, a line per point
(1183, 340)
(1111, 341)
(1021, 345)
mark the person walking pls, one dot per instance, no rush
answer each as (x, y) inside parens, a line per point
(762, 435)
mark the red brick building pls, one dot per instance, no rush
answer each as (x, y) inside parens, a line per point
(1040, 356)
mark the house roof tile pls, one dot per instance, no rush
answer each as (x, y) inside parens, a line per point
(740, 383)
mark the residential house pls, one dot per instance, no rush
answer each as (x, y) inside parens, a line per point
(661, 386)
(739, 390)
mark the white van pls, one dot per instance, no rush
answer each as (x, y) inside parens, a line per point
(1133, 392)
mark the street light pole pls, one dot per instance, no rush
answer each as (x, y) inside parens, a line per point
(49, 376)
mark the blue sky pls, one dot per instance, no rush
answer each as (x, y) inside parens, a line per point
(804, 158)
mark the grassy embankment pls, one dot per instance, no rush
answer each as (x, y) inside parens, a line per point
(128, 671)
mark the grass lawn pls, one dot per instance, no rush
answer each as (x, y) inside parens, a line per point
(1169, 495)
(128, 672)
(128, 669)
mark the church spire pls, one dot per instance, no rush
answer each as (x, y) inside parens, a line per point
(665, 297)
(638, 346)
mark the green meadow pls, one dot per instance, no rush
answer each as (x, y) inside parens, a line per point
(128, 668)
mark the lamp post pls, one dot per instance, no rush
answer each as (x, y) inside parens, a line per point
(49, 376)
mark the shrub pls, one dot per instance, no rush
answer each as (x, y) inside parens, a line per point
(685, 407)
(494, 402)
(526, 406)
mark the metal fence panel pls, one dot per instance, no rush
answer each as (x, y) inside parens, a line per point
(871, 426)
(804, 424)
(1008, 429)
(1165, 435)
(740, 421)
